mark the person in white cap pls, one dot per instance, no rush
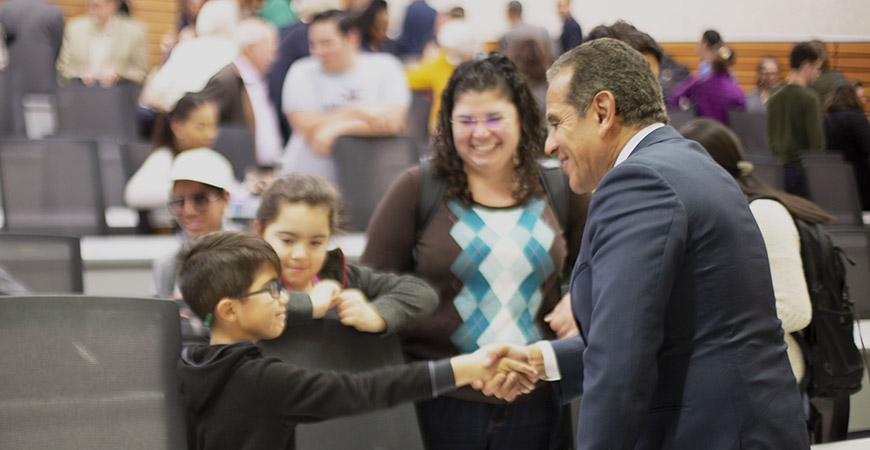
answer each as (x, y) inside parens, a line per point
(201, 183)
(202, 180)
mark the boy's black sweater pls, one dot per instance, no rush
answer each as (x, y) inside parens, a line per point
(237, 399)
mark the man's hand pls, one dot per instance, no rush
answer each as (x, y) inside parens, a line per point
(323, 139)
(354, 310)
(323, 296)
(561, 319)
(489, 362)
(508, 385)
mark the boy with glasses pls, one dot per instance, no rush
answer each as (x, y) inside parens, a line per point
(236, 398)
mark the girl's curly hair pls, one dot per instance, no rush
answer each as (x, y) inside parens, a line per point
(487, 72)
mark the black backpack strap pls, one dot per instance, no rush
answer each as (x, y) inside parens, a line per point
(556, 187)
(432, 188)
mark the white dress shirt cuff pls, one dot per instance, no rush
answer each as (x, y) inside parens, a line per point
(551, 366)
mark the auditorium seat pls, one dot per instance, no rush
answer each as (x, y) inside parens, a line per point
(832, 186)
(237, 144)
(52, 186)
(366, 167)
(750, 127)
(45, 264)
(90, 372)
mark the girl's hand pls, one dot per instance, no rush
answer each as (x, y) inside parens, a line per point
(323, 296)
(354, 310)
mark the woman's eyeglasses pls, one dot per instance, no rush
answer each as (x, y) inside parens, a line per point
(274, 289)
(200, 201)
(493, 121)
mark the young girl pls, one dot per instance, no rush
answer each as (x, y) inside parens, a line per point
(192, 123)
(298, 214)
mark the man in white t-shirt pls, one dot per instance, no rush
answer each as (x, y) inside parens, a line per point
(339, 90)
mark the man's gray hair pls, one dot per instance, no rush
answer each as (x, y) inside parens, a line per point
(609, 65)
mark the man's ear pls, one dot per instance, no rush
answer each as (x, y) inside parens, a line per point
(258, 228)
(603, 106)
(226, 309)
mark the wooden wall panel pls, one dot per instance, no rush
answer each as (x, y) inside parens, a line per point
(851, 58)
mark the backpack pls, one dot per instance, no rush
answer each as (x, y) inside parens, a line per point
(834, 364)
(432, 188)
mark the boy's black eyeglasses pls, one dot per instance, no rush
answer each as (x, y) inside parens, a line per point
(274, 289)
(200, 201)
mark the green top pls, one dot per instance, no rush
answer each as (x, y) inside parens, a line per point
(794, 123)
(277, 12)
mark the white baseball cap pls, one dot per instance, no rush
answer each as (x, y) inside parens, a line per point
(203, 165)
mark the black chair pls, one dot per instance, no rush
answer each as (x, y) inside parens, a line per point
(768, 170)
(45, 264)
(88, 372)
(366, 167)
(98, 112)
(35, 62)
(51, 186)
(751, 128)
(133, 154)
(11, 106)
(832, 186)
(237, 144)
(678, 118)
(855, 241)
(328, 345)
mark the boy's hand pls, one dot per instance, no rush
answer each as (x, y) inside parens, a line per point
(509, 385)
(492, 362)
(323, 296)
(354, 310)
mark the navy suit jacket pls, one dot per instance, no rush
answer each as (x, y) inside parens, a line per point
(680, 346)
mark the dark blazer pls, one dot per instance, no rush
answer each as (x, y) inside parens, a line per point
(680, 347)
(34, 22)
(227, 90)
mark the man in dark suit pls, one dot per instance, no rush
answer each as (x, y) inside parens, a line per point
(679, 344)
(34, 34)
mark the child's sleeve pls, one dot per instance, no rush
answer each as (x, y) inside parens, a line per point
(310, 395)
(401, 300)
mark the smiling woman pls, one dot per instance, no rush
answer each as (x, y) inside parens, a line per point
(494, 249)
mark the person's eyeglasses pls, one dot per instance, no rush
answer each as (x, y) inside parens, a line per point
(274, 289)
(200, 201)
(493, 121)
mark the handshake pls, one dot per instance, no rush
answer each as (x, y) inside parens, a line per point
(501, 370)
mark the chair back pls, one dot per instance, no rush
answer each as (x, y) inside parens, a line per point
(35, 62)
(90, 372)
(832, 186)
(855, 241)
(751, 128)
(328, 345)
(46, 264)
(237, 144)
(133, 154)
(97, 112)
(51, 186)
(11, 106)
(768, 170)
(678, 117)
(366, 167)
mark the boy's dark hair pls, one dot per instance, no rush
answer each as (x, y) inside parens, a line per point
(298, 187)
(221, 264)
(803, 51)
(346, 22)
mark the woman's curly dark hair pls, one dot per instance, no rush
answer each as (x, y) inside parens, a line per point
(487, 72)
